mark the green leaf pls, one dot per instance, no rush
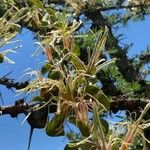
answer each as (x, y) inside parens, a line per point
(77, 63)
(84, 128)
(102, 98)
(76, 50)
(46, 68)
(55, 126)
(100, 43)
(105, 64)
(91, 89)
(50, 11)
(91, 69)
(55, 75)
(105, 126)
(77, 85)
(79, 82)
(37, 99)
(84, 146)
(37, 3)
(1, 58)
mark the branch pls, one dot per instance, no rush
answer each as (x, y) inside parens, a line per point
(13, 110)
(21, 107)
(121, 7)
(145, 58)
(9, 83)
(128, 105)
(116, 105)
(103, 8)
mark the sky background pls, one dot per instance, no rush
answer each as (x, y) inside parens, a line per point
(13, 136)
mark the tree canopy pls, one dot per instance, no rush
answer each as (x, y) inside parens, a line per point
(86, 74)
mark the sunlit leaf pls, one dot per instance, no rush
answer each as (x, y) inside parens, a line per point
(77, 63)
(102, 98)
(97, 50)
(8, 38)
(37, 3)
(76, 50)
(79, 82)
(91, 89)
(105, 64)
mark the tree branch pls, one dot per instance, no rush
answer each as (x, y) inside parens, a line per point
(103, 8)
(121, 103)
(9, 83)
(121, 7)
(115, 105)
(13, 110)
(21, 107)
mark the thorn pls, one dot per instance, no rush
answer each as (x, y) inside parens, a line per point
(26, 118)
(1, 97)
(12, 90)
(6, 75)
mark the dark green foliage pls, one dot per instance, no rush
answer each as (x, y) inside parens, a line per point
(55, 126)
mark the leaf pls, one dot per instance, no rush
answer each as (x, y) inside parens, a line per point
(105, 64)
(55, 75)
(37, 99)
(91, 71)
(102, 98)
(77, 63)
(46, 68)
(8, 38)
(105, 125)
(100, 43)
(1, 58)
(84, 128)
(37, 3)
(55, 126)
(84, 146)
(91, 89)
(50, 11)
(76, 50)
(97, 50)
(78, 83)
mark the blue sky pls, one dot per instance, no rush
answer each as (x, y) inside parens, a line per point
(13, 135)
(137, 33)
